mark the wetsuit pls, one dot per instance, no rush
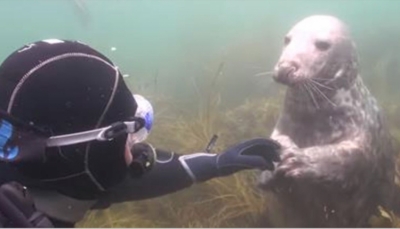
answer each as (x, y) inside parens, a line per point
(170, 173)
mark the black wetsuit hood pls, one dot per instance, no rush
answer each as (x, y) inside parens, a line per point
(66, 87)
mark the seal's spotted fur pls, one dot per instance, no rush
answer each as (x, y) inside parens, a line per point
(337, 158)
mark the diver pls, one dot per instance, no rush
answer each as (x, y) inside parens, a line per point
(72, 138)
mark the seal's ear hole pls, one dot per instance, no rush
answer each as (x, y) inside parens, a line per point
(322, 45)
(286, 40)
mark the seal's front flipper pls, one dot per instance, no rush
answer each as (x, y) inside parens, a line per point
(284, 140)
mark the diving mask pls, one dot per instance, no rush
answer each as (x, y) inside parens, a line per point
(23, 142)
(137, 129)
(144, 112)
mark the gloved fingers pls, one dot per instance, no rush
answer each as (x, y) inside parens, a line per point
(266, 148)
(260, 141)
(256, 162)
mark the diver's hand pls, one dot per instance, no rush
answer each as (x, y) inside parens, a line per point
(143, 159)
(17, 208)
(256, 153)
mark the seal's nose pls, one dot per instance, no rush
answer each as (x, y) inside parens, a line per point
(291, 66)
(284, 72)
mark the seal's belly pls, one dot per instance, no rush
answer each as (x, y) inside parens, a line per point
(329, 130)
(315, 138)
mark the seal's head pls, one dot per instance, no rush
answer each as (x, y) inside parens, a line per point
(317, 48)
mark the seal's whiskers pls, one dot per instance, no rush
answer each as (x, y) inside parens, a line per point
(313, 85)
(264, 73)
(307, 88)
(322, 79)
(320, 84)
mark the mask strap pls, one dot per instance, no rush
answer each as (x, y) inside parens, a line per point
(101, 134)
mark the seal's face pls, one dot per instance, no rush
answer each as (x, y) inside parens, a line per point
(318, 48)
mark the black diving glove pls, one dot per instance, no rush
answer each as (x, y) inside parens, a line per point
(259, 153)
(17, 208)
(143, 159)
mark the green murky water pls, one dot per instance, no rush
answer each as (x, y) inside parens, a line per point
(168, 46)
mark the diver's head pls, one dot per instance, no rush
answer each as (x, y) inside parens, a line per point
(68, 89)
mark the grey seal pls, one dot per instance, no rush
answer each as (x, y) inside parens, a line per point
(337, 162)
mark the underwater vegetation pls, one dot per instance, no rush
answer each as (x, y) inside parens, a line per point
(231, 201)
(224, 202)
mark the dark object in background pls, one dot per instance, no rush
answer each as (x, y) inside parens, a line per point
(211, 143)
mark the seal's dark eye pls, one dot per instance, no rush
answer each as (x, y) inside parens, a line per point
(322, 45)
(287, 40)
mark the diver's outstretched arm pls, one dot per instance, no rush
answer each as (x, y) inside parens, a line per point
(173, 172)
